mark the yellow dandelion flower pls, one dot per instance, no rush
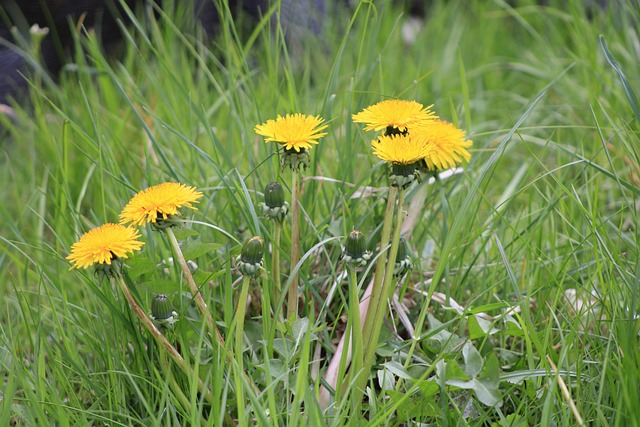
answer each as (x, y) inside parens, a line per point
(395, 115)
(294, 132)
(449, 142)
(103, 244)
(159, 201)
(401, 149)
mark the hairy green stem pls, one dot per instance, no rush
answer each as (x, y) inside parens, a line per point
(292, 300)
(173, 384)
(161, 340)
(380, 266)
(195, 291)
(380, 293)
(275, 260)
(202, 306)
(356, 327)
(238, 341)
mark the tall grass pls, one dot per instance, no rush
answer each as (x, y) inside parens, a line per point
(526, 261)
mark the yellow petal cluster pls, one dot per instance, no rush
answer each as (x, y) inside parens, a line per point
(449, 142)
(102, 244)
(394, 113)
(159, 201)
(401, 149)
(293, 131)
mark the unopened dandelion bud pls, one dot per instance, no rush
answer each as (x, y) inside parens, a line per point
(274, 206)
(355, 251)
(161, 307)
(250, 260)
(274, 195)
(162, 312)
(403, 259)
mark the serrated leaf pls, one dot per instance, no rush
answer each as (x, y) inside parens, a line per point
(183, 233)
(485, 391)
(441, 372)
(512, 327)
(487, 326)
(385, 351)
(196, 248)
(386, 379)
(278, 369)
(284, 347)
(299, 329)
(491, 371)
(445, 338)
(397, 369)
(472, 360)
(486, 308)
(139, 265)
(417, 371)
(202, 276)
(475, 330)
(512, 420)
(454, 371)
(163, 286)
(412, 408)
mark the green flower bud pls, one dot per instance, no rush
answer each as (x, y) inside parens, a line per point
(274, 206)
(403, 259)
(162, 312)
(355, 251)
(356, 244)
(250, 260)
(161, 307)
(274, 195)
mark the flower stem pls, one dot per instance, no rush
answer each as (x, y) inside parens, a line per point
(197, 296)
(292, 300)
(202, 306)
(356, 327)
(166, 370)
(380, 266)
(388, 285)
(275, 260)
(161, 340)
(379, 295)
(239, 333)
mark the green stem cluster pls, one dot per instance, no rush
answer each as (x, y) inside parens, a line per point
(292, 296)
(382, 287)
(193, 288)
(161, 340)
(275, 260)
(238, 341)
(202, 306)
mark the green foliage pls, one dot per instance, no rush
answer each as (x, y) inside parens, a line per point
(531, 253)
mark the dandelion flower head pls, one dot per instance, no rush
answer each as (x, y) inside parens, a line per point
(395, 114)
(449, 142)
(102, 244)
(294, 132)
(159, 201)
(401, 149)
